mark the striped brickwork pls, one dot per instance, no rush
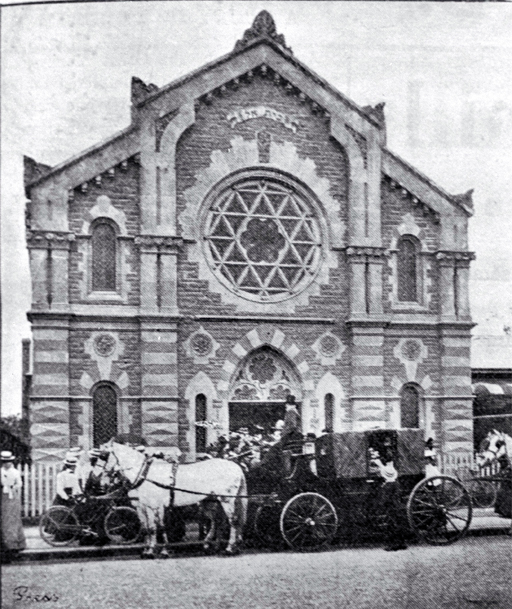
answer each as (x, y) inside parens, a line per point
(457, 404)
(159, 383)
(49, 402)
(367, 377)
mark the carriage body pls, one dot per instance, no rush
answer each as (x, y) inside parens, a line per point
(338, 482)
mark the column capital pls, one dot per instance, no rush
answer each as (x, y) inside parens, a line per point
(40, 239)
(362, 251)
(159, 244)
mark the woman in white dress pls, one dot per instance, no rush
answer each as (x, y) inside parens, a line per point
(13, 536)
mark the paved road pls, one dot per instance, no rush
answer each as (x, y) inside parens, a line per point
(476, 573)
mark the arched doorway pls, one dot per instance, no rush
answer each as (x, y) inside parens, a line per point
(258, 392)
(104, 413)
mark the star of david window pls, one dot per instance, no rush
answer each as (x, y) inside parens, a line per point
(263, 238)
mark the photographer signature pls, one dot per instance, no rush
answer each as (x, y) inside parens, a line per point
(24, 594)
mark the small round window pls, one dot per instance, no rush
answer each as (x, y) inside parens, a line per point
(263, 238)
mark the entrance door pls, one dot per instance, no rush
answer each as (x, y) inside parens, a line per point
(246, 414)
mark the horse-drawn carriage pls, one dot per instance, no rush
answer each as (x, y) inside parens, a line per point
(330, 491)
(305, 493)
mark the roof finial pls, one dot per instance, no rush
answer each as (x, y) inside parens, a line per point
(263, 26)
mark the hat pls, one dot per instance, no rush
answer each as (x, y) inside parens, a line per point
(243, 430)
(7, 455)
(95, 452)
(70, 460)
(429, 453)
(290, 399)
(141, 448)
(279, 424)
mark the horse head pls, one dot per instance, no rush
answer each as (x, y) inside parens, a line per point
(493, 447)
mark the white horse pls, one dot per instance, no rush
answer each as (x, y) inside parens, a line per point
(153, 479)
(496, 444)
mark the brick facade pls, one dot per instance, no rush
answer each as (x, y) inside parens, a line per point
(174, 326)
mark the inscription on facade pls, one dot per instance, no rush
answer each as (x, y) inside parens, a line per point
(245, 114)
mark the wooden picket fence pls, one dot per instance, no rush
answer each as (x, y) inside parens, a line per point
(39, 487)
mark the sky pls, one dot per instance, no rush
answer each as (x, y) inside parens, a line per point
(443, 70)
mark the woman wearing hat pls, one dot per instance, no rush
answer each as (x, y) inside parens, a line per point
(67, 483)
(13, 537)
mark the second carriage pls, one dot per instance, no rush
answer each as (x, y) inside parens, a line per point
(311, 493)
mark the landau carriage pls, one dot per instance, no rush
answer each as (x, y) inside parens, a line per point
(306, 493)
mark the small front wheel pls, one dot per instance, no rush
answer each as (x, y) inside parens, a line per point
(122, 525)
(483, 493)
(59, 526)
(308, 521)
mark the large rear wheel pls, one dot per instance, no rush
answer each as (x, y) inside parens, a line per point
(122, 525)
(439, 510)
(59, 526)
(308, 521)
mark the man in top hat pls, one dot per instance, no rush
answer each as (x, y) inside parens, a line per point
(91, 474)
(13, 537)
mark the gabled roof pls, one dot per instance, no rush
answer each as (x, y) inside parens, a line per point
(262, 32)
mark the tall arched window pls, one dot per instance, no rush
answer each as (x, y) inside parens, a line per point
(409, 407)
(103, 257)
(329, 411)
(104, 414)
(407, 267)
(200, 418)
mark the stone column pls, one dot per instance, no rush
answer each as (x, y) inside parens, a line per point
(462, 262)
(446, 285)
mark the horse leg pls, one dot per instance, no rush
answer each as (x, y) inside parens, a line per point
(209, 513)
(229, 509)
(164, 552)
(149, 550)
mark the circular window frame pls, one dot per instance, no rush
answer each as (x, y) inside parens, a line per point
(289, 182)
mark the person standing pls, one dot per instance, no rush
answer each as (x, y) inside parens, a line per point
(390, 498)
(13, 536)
(67, 483)
(291, 416)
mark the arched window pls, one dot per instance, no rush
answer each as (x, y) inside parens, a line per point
(103, 257)
(409, 407)
(407, 267)
(200, 418)
(104, 414)
(329, 411)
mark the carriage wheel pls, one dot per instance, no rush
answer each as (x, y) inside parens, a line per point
(122, 525)
(59, 526)
(266, 525)
(483, 493)
(308, 521)
(439, 510)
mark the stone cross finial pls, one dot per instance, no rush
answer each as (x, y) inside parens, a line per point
(263, 26)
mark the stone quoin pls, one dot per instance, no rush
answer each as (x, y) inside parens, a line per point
(248, 236)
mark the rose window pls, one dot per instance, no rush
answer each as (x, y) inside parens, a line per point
(263, 239)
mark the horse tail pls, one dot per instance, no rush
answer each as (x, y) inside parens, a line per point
(241, 502)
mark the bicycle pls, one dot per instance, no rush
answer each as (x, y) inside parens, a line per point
(90, 516)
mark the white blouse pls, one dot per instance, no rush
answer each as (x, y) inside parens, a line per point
(11, 482)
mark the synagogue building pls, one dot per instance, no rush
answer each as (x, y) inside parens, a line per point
(248, 236)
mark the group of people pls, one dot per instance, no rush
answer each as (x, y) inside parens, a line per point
(248, 446)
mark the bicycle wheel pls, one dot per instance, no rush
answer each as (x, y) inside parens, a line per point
(483, 493)
(59, 526)
(122, 525)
